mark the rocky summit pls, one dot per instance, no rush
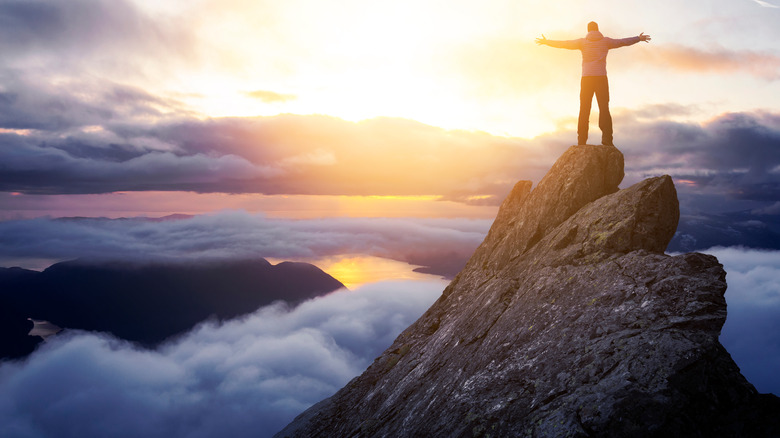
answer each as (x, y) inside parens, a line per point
(568, 321)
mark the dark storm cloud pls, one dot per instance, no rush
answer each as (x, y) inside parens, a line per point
(236, 235)
(735, 156)
(47, 168)
(247, 377)
(30, 102)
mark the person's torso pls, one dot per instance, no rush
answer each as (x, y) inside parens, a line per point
(594, 54)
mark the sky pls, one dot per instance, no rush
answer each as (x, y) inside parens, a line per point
(367, 137)
(368, 108)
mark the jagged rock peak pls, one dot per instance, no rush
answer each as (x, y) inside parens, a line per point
(567, 321)
(581, 175)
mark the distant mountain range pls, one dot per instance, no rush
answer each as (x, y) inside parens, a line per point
(145, 302)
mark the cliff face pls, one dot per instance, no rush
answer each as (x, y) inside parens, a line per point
(567, 321)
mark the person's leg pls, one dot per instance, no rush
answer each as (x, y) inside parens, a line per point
(586, 98)
(605, 118)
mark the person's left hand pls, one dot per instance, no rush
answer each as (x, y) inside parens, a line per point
(642, 37)
(541, 40)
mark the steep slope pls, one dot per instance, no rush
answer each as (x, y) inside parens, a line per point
(567, 321)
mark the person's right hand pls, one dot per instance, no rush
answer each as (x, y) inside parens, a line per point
(543, 40)
(642, 37)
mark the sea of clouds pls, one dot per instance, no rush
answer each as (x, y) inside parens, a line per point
(251, 376)
(752, 329)
(237, 235)
(246, 377)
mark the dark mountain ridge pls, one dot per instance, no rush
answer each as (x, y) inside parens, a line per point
(147, 302)
(568, 320)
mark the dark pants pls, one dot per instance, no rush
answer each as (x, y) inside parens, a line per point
(599, 86)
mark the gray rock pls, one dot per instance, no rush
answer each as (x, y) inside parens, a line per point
(581, 175)
(567, 321)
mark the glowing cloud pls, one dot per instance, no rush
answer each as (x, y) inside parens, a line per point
(270, 96)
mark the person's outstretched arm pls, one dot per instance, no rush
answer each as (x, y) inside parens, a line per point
(629, 41)
(569, 44)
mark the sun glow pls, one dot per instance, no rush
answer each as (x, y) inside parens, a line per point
(356, 270)
(403, 59)
(454, 64)
(158, 204)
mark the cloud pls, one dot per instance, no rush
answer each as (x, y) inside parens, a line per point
(773, 209)
(663, 111)
(247, 377)
(766, 4)
(32, 101)
(306, 155)
(75, 164)
(762, 65)
(85, 62)
(237, 235)
(732, 156)
(100, 140)
(752, 330)
(45, 32)
(270, 96)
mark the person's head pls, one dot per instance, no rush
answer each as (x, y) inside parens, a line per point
(593, 26)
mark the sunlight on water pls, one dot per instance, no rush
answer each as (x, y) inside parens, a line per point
(357, 270)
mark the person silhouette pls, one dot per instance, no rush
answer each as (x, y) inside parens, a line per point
(594, 48)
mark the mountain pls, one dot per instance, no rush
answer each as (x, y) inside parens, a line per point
(149, 302)
(568, 320)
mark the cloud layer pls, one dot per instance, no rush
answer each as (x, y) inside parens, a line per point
(247, 377)
(239, 235)
(277, 155)
(752, 330)
(735, 155)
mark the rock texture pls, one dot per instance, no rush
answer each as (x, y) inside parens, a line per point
(567, 321)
